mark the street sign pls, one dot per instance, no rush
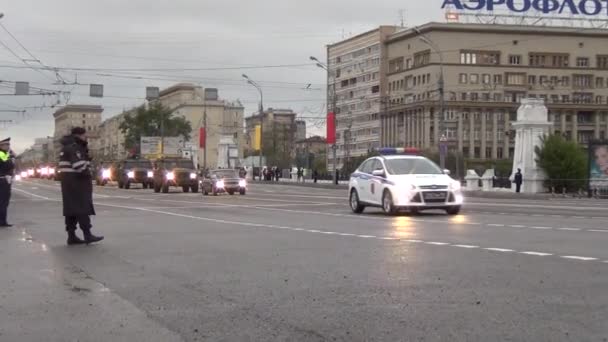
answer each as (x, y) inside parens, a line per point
(96, 90)
(150, 146)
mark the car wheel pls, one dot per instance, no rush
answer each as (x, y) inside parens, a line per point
(194, 188)
(156, 188)
(186, 188)
(205, 192)
(453, 210)
(414, 211)
(120, 185)
(127, 185)
(214, 192)
(144, 185)
(165, 188)
(387, 203)
(242, 191)
(97, 182)
(231, 192)
(104, 182)
(355, 204)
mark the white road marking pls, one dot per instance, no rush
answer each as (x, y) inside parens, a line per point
(413, 241)
(545, 228)
(503, 250)
(574, 257)
(516, 226)
(537, 206)
(598, 230)
(465, 246)
(30, 194)
(313, 231)
(437, 243)
(495, 225)
(366, 236)
(536, 253)
(388, 238)
(570, 229)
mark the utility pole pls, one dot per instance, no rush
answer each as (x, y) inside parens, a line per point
(206, 133)
(259, 88)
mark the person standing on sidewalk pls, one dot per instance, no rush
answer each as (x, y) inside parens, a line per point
(519, 179)
(7, 167)
(77, 186)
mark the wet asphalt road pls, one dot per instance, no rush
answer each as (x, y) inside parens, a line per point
(289, 263)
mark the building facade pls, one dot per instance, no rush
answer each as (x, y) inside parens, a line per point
(224, 119)
(70, 116)
(279, 132)
(487, 70)
(112, 139)
(356, 91)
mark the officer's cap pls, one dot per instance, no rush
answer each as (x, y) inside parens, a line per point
(5, 141)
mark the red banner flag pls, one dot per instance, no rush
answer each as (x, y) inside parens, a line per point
(202, 137)
(331, 128)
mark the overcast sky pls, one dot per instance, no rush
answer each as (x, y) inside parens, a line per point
(178, 34)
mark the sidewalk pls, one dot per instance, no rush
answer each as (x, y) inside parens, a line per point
(43, 299)
(472, 194)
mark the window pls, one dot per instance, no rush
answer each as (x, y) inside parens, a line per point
(602, 62)
(463, 96)
(531, 79)
(539, 59)
(395, 65)
(485, 78)
(474, 78)
(543, 80)
(84, 121)
(599, 99)
(582, 62)
(474, 97)
(582, 81)
(554, 98)
(566, 98)
(497, 79)
(480, 57)
(515, 59)
(84, 116)
(408, 63)
(515, 78)
(497, 97)
(599, 82)
(463, 78)
(485, 96)
(422, 58)
(582, 97)
(554, 80)
(375, 89)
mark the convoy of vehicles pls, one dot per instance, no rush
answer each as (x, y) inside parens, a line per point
(175, 172)
(397, 182)
(223, 181)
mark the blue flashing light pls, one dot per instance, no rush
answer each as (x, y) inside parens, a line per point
(387, 151)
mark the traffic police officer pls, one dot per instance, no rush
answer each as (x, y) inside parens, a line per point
(7, 167)
(77, 186)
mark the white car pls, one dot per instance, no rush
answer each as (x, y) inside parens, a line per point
(399, 182)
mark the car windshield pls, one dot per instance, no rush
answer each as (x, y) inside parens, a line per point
(225, 174)
(183, 164)
(408, 166)
(138, 163)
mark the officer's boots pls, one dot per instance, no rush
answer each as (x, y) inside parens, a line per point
(90, 238)
(73, 239)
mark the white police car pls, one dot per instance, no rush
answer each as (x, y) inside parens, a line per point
(403, 181)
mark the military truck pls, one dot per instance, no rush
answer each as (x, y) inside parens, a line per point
(134, 171)
(177, 172)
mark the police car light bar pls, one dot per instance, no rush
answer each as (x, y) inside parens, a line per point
(398, 150)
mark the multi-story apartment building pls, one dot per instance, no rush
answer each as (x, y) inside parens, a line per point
(224, 118)
(487, 70)
(355, 91)
(112, 139)
(279, 134)
(86, 116)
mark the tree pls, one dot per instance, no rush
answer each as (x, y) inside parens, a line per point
(564, 163)
(146, 122)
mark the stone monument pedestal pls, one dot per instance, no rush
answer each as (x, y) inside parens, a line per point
(531, 125)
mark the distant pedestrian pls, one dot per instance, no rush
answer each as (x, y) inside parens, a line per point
(7, 168)
(300, 174)
(519, 179)
(315, 175)
(277, 174)
(76, 186)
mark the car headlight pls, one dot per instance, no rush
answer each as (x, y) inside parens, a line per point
(150, 174)
(455, 186)
(193, 175)
(44, 171)
(23, 174)
(30, 172)
(219, 184)
(51, 171)
(170, 176)
(105, 173)
(131, 174)
(17, 177)
(242, 183)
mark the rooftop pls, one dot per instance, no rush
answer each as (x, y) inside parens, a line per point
(78, 108)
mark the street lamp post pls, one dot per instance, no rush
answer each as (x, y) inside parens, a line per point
(259, 88)
(333, 110)
(442, 138)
